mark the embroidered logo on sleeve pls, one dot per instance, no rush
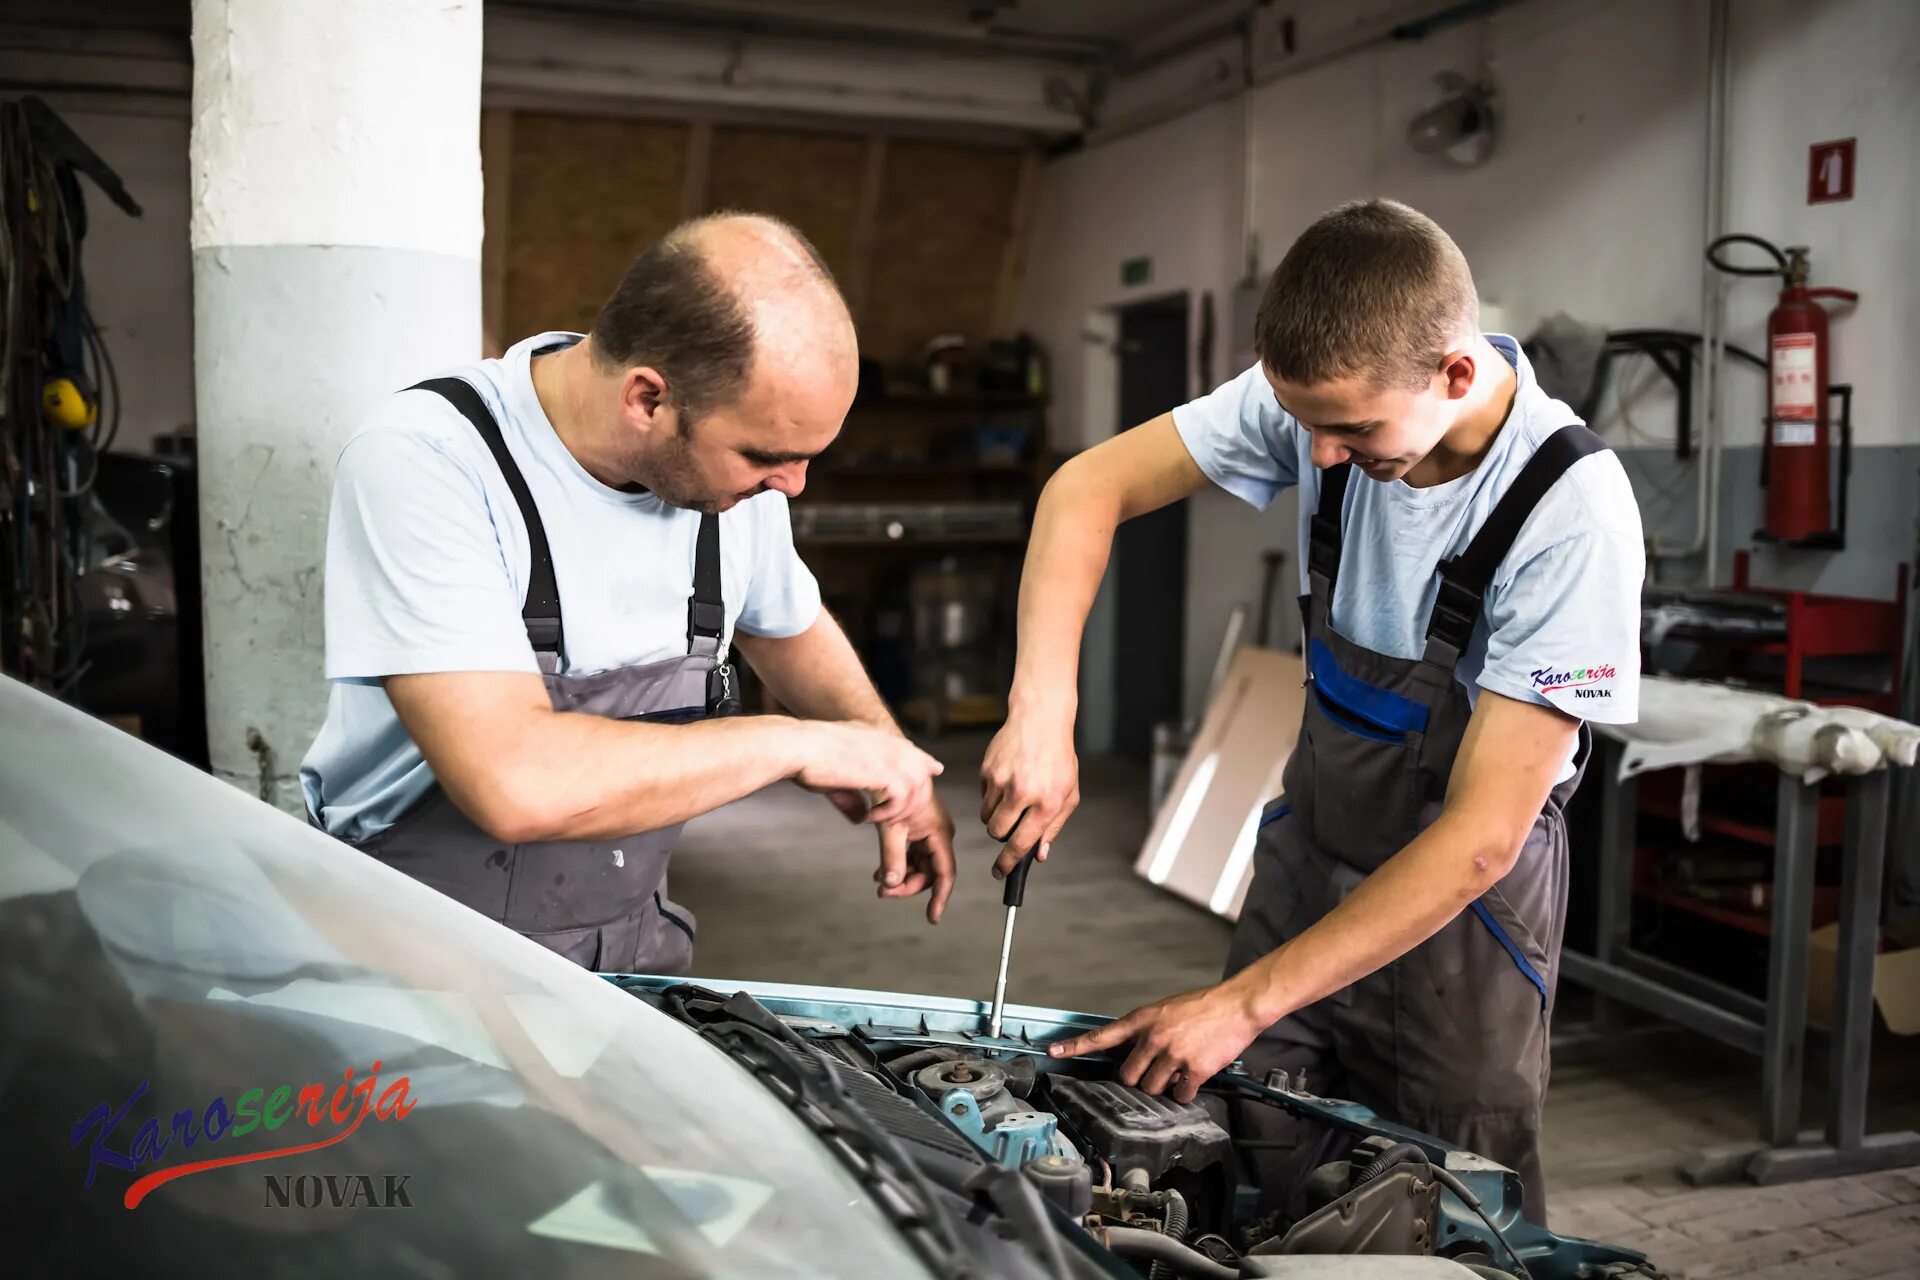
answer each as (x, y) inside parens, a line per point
(1580, 682)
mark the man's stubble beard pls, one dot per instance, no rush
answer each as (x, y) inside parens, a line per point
(672, 476)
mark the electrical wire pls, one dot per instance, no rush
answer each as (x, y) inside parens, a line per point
(47, 470)
(103, 355)
(1452, 1183)
(103, 385)
(52, 224)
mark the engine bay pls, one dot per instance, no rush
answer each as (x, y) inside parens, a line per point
(1143, 1184)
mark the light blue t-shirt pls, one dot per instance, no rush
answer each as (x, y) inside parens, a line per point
(427, 562)
(1560, 625)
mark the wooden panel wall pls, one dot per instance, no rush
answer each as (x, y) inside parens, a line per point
(588, 194)
(945, 218)
(810, 179)
(923, 236)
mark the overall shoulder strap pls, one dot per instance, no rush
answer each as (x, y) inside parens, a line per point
(541, 612)
(1464, 578)
(706, 608)
(1324, 532)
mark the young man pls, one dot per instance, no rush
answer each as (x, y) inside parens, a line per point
(536, 567)
(1472, 572)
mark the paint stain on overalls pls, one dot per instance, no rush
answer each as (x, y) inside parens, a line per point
(1450, 1039)
(601, 903)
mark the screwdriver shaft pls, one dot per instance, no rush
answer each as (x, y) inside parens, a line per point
(1000, 983)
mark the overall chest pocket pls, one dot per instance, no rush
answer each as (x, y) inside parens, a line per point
(1365, 742)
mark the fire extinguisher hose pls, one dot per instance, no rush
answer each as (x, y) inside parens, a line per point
(1772, 251)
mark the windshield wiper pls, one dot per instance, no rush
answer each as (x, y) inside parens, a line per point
(749, 1033)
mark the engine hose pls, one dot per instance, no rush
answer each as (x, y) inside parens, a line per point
(1779, 267)
(1174, 1227)
(1138, 1242)
(1398, 1153)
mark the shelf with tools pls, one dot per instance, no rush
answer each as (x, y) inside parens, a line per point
(915, 523)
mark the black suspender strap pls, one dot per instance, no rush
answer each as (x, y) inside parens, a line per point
(706, 607)
(1323, 532)
(541, 612)
(1464, 578)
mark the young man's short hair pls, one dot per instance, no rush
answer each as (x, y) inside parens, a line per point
(672, 311)
(1372, 290)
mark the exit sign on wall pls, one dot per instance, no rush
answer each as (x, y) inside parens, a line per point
(1830, 171)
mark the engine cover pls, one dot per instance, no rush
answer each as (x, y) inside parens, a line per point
(1137, 1130)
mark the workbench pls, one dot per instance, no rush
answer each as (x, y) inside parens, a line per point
(1775, 1029)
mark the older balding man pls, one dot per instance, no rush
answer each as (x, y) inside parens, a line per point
(536, 567)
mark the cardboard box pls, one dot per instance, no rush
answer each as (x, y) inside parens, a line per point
(1896, 983)
(1201, 844)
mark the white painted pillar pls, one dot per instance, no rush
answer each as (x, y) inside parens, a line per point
(336, 259)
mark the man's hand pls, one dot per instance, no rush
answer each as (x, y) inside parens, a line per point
(1029, 784)
(917, 858)
(1184, 1041)
(849, 756)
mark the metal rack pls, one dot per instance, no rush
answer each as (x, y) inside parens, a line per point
(1774, 1029)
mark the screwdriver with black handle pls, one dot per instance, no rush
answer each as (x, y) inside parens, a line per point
(1012, 896)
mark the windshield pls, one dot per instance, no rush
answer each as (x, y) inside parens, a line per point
(228, 1039)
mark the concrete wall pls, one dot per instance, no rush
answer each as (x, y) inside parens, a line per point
(1592, 205)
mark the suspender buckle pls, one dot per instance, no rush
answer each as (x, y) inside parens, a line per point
(1455, 609)
(544, 633)
(1323, 548)
(705, 618)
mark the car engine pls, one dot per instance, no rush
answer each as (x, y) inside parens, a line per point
(1115, 1158)
(1160, 1186)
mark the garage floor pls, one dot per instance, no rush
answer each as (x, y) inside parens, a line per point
(782, 890)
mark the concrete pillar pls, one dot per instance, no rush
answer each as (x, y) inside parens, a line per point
(336, 258)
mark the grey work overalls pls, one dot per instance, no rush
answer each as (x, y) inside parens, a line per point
(1451, 1038)
(601, 903)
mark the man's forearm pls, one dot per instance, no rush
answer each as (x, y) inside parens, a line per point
(816, 674)
(1408, 900)
(585, 777)
(524, 771)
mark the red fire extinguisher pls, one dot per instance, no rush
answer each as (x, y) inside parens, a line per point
(1795, 467)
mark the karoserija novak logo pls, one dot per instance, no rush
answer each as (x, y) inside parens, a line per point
(1578, 682)
(262, 1109)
